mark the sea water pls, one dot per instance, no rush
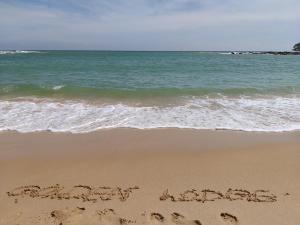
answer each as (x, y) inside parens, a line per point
(84, 91)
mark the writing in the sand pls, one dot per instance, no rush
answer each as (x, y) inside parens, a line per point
(81, 192)
(106, 193)
(206, 195)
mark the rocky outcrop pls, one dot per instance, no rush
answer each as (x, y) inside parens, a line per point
(267, 53)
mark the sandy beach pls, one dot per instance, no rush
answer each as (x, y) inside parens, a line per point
(165, 112)
(160, 176)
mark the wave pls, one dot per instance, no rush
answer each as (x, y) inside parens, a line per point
(238, 53)
(58, 87)
(17, 52)
(248, 114)
(76, 92)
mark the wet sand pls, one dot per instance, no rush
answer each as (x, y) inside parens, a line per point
(161, 176)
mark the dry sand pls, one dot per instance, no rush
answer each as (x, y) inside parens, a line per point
(163, 176)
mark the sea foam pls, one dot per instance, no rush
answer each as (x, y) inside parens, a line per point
(17, 52)
(248, 114)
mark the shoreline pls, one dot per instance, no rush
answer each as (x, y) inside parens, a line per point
(161, 176)
(276, 114)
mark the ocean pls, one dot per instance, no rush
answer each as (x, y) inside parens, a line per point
(85, 91)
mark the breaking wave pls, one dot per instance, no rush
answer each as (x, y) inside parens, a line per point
(243, 113)
(17, 52)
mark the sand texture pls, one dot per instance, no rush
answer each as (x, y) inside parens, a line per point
(162, 176)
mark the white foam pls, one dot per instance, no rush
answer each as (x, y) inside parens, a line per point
(58, 87)
(17, 52)
(261, 114)
(237, 53)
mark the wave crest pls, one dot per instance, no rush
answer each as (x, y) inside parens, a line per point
(10, 52)
(248, 114)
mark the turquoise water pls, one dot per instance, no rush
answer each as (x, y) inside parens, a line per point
(92, 90)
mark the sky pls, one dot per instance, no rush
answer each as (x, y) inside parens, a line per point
(207, 25)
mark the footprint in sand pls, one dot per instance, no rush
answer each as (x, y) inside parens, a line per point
(67, 216)
(229, 219)
(157, 217)
(151, 218)
(181, 220)
(108, 216)
(176, 218)
(78, 216)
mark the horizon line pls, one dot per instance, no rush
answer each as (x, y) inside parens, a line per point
(99, 50)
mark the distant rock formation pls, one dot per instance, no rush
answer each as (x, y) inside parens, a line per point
(280, 53)
(295, 52)
(296, 47)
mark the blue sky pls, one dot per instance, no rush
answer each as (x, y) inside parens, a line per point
(149, 24)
